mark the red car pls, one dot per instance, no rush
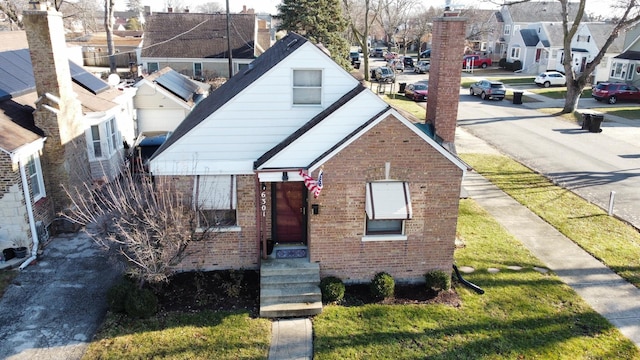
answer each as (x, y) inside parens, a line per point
(614, 92)
(417, 91)
(476, 61)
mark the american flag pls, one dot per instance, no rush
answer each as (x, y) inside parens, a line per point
(314, 186)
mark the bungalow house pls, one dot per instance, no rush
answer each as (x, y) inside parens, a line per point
(59, 125)
(625, 67)
(95, 51)
(196, 44)
(164, 99)
(294, 153)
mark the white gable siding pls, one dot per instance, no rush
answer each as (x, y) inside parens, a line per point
(329, 132)
(254, 121)
(158, 109)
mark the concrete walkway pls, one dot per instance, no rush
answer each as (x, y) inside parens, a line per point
(291, 339)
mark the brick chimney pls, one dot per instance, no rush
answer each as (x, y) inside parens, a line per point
(58, 112)
(445, 75)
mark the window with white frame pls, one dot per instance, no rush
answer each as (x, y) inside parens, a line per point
(515, 53)
(618, 70)
(152, 67)
(630, 72)
(103, 139)
(507, 29)
(197, 70)
(307, 87)
(215, 199)
(34, 172)
(387, 207)
(516, 28)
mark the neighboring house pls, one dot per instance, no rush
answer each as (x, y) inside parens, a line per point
(390, 191)
(196, 44)
(59, 128)
(484, 29)
(164, 99)
(625, 67)
(95, 52)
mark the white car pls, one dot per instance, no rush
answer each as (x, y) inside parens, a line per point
(549, 78)
(422, 67)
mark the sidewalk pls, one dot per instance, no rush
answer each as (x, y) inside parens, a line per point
(607, 293)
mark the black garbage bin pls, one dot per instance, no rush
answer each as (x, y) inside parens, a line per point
(586, 122)
(402, 86)
(596, 121)
(517, 97)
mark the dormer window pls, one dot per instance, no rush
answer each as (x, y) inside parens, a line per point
(307, 87)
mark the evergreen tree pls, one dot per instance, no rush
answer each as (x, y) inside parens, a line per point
(319, 21)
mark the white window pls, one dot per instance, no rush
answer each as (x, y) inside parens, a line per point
(507, 29)
(197, 70)
(103, 139)
(152, 67)
(215, 200)
(618, 70)
(307, 87)
(630, 74)
(515, 53)
(387, 207)
(34, 172)
(516, 28)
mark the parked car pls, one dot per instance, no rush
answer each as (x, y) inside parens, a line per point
(384, 74)
(549, 78)
(355, 59)
(407, 61)
(377, 52)
(488, 89)
(422, 67)
(476, 61)
(614, 92)
(417, 91)
(425, 54)
(396, 64)
(391, 55)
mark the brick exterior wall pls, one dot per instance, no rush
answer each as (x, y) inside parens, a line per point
(64, 159)
(223, 250)
(444, 75)
(335, 234)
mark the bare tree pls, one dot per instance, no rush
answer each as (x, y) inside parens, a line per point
(145, 220)
(393, 13)
(109, 21)
(13, 10)
(576, 82)
(423, 24)
(361, 14)
(209, 8)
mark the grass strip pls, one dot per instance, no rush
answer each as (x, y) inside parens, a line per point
(608, 239)
(522, 315)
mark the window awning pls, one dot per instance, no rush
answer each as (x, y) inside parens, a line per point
(387, 200)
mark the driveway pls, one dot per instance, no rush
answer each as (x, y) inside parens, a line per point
(54, 306)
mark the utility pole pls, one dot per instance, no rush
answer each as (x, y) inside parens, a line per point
(229, 42)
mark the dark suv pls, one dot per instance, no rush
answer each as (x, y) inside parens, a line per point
(614, 92)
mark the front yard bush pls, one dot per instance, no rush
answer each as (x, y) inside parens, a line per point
(141, 303)
(117, 295)
(332, 289)
(382, 286)
(437, 280)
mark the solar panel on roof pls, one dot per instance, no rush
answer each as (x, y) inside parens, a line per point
(87, 80)
(178, 84)
(16, 75)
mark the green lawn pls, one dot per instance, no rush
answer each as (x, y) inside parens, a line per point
(522, 315)
(560, 92)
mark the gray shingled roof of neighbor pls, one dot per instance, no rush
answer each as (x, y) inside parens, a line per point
(601, 32)
(530, 37)
(529, 12)
(629, 55)
(192, 35)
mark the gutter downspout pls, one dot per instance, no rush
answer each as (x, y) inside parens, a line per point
(32, 222)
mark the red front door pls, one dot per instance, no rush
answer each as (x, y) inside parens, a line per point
(289, 213)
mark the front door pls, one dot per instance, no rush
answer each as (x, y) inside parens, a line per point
(289, 213)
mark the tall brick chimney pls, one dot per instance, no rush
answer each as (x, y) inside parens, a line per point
(58, 112)
(445, 75)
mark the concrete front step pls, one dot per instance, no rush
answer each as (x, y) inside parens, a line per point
(291, 309)
(289, 288)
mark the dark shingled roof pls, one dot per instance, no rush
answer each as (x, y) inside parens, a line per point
(530, 37)
(630, 55)
(534, 11)
(279, 51)
(192, 35)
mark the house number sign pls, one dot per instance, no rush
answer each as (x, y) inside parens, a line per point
(263, 203)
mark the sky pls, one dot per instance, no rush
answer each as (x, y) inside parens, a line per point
(269, 6)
